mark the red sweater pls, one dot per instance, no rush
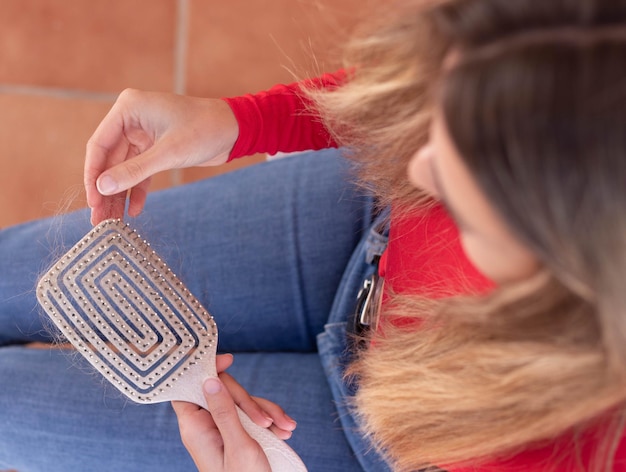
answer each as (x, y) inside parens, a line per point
(424, 254)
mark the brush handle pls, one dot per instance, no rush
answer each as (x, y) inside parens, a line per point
(280, 456)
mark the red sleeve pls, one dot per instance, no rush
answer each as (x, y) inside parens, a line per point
(280, 119)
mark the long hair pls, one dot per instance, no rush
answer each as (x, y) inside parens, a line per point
(536, 106)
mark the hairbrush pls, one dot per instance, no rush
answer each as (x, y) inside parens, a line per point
(137, 324)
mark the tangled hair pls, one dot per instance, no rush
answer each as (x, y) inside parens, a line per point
(536, 105)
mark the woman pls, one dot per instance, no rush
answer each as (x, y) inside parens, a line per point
(498, 344)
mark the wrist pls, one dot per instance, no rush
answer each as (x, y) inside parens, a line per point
(231, 132)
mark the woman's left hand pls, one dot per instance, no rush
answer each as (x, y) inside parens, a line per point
(216, 440)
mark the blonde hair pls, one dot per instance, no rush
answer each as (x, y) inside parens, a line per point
(485, 377)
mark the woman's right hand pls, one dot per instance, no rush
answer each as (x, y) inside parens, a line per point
(216, 439)
(148, 132)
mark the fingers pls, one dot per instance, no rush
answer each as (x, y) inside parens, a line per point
(112, 166)
(138, 196)
(246, 402)
(283, 425)
(223, 362)
(261, 411)
(110, 207)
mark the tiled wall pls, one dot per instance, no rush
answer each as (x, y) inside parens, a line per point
(62, 63)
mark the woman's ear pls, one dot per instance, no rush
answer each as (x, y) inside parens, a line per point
(420, 170)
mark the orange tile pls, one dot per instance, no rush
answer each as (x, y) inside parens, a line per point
(243, 46)
(42, 149)
(99, 45)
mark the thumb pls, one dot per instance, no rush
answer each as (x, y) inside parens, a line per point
(241, 451)
(129, 173)
(221, 405)
(224, 412)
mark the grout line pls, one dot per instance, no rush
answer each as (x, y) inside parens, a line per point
(52, 92)
(180, 46)
(180, 65)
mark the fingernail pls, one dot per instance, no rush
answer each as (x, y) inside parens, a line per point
(291, 419)
(212, 386)
(106, 185)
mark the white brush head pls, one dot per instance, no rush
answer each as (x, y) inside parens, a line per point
(121, 307)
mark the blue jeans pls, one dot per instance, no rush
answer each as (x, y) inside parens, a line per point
(276, 252)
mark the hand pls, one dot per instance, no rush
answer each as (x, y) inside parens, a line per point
(145, 133)
(215, 439)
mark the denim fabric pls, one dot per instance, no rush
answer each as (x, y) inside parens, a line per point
(273, 251)
(333, 343)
